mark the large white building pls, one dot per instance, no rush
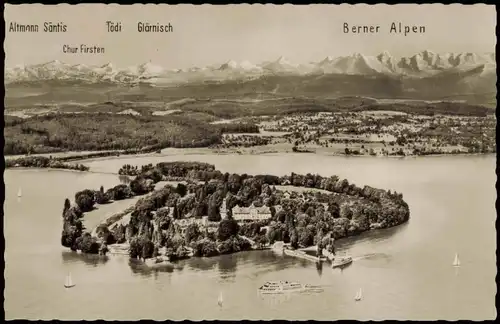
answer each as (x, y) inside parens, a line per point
(246, 213)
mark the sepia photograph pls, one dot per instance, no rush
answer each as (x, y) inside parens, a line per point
(250, 162)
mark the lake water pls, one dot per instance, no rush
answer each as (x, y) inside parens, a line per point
(405, 272)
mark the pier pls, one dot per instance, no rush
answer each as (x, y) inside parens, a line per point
(303, 255)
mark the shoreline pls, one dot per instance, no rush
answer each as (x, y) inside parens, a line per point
(207, 151)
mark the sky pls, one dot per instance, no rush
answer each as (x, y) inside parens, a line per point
(206, 34)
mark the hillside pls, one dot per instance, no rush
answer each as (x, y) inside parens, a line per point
(92, 132)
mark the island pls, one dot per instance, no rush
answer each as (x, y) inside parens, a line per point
(201, 212)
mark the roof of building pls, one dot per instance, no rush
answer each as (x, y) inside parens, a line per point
(246, 210)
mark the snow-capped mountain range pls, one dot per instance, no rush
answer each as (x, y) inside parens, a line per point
(422, 64)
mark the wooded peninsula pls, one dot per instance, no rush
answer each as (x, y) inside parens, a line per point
(197, 216)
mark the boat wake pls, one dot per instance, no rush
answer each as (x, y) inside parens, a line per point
(373, 257)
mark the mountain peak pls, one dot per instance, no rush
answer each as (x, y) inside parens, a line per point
(148, 68)
(328, 59)
(232, 63)
(229, 65)
(385, 54)
(282, 60)
(53, 63)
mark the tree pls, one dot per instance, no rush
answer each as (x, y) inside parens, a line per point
(135, 247)
(147, 248)
(227, 228)
(181, 189)
(273, 235)
(70, 236)
(87, 244)
(213, 207)
(103, 232)
(225, 247)
(334, 209)
(119, 192)
(401, 140)
(294, 239)
(85, 200)
(319, 236)
(67, 205)
(141, 186)
(306, 236)
(205, 247)
(262, 240)
(175, 213)
(103, 249)
(180, 253)
(174, 239)
(192, 233)
(280, 216)
(156, 251)
(119, 233)
(101, 197)
(141, 247)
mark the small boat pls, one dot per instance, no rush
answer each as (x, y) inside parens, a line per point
(456, 262)
(68, 283)
(359, 295)
(220, 300)
(19, 193)
(341, 262)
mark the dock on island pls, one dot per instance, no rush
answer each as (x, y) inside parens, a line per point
(303, 255)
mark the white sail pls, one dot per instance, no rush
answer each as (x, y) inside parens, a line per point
(69, 282)
(220, 300)
(358, 295)
(19, 193)
(456, 262)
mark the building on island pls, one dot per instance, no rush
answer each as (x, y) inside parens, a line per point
(251, 213)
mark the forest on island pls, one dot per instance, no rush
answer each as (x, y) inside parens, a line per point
(331, 208)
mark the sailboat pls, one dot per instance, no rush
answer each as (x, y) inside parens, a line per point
(456, 262)
(220, 300)
(68, 283)
(19, 193)
(359, 295)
